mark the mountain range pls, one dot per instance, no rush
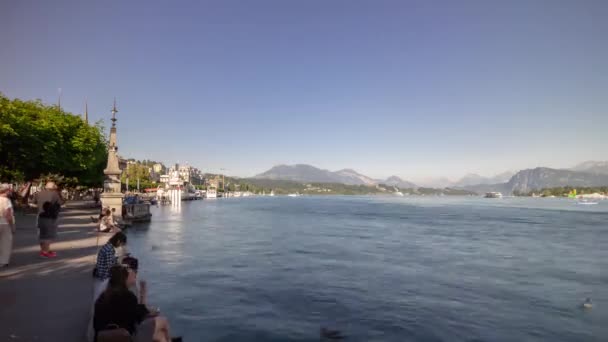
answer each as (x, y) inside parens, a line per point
(595, 167)
(475, 179)
(590, 173)
(310, 174)
(587, 174)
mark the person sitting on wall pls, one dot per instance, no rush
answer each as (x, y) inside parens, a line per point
(106, 222)
(119, 309)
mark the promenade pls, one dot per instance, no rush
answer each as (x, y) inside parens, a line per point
(49, 299)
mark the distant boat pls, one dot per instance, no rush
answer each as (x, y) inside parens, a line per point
(211, 193)
(398, 193)
(586, 202)
(271, 194)
(493, 195)
(294, 195)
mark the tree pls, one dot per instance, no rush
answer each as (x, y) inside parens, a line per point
(136, 171)
(37, 139)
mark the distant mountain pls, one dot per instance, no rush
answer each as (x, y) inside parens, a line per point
(311, 174)
(299, 173)
(595, 167)
(471, 179)
(350, 176)
(544, 177)
(440, 182)
(475, 179)
(400, 183)
(502, 177)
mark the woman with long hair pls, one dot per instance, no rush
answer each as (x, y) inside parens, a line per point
(118, 307)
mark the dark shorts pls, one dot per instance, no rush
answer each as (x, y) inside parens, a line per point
(47, 228)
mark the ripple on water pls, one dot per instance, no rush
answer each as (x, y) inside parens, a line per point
(379, 269)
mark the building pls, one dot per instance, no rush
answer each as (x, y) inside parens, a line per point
(156, 171)
(159, 168)
(187, 173)
(214, 181)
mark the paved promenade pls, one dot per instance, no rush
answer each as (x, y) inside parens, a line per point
(49, 299)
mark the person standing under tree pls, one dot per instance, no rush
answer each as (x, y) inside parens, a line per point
(7, 225)
(49, 204)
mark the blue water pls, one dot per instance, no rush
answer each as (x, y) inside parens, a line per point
(379, 269)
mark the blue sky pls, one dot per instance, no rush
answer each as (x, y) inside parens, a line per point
(420, 89)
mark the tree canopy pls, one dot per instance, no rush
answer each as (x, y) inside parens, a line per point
(134, 171)
(38, 139)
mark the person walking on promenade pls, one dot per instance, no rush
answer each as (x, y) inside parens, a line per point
(49, 204)
(7, 225)
(106, 258)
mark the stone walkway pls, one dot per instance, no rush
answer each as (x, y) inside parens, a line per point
(49, 299)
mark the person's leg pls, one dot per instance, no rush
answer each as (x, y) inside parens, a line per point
(161, 330)
(98, 287)
(6, 244)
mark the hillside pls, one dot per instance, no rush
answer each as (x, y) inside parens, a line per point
(543, 177)
(398, 182)
(300, 173)
(595, 167)
(308, 173)
(475, 179)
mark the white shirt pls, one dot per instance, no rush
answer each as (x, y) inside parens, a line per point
(5, 204)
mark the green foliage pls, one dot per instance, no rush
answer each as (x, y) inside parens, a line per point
(282, 187)
(36, 139)
(133, 172)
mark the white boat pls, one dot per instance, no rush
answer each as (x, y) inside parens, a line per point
(211, 193)
(398, 193)
(294, 195)
(493, 194)
(586, 202)
(271, 194)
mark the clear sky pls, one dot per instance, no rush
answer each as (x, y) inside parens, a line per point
(414, 88)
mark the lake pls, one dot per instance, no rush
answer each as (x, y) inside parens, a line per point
(378, 268)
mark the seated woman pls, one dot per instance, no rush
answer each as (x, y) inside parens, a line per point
(106, 222)
(119, 307)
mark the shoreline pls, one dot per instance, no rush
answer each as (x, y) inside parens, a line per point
(50, 299)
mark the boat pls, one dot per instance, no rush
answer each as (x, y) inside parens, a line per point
(493, 194)
(211, 192)
(271, 193)
(586, 202)
(398, 193)
(294, 195)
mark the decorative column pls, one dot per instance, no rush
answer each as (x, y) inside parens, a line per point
(112, 197)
